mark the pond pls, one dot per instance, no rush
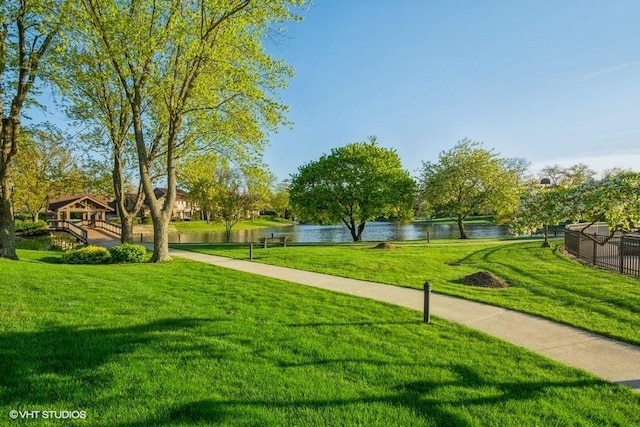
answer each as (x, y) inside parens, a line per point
(374, 231)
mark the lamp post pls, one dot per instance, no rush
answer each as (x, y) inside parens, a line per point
(545, 182)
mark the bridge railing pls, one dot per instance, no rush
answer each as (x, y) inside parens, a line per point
(71, 228)
(108, 226)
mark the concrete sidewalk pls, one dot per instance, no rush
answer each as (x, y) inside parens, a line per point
(612, 360)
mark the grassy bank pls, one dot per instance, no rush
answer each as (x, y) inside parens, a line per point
(542, 281)
(187, 226)
(184, 344)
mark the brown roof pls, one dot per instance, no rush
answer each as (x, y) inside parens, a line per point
(60, 202)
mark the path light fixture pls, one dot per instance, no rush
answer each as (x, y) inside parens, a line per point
(545, 182)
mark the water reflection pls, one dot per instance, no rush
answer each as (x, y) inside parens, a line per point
(374, 231)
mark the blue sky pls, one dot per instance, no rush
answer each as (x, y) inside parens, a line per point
(549, 81)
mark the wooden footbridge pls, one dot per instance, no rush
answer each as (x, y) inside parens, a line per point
(89, 232)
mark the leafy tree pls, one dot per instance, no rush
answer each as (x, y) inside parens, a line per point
(614, 199)
(568, 177)
(279, 200)
(469, 179)
(259, 180)
(188, 69)
(28, 31)
(44, 168)
(95, 98)
(539, 207)
(353, 184)
(231, 198)
(197, 175)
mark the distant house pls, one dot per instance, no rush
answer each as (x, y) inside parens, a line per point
(79, 206)
(182, 208)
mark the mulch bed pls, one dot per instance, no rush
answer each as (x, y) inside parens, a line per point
(484, 279)
(384, 245)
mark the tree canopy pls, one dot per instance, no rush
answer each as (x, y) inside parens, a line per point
(191, 73)
(469, 179)
(353, 184)
(28, 31)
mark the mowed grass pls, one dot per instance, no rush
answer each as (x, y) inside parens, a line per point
(542, 281)
(186, 226)
(184, 344)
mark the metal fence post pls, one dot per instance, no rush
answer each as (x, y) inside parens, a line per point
(427, 302)
(621, 253)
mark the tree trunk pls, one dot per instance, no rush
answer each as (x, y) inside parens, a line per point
(463, 233)
(227, 231)
(360, 230)
(7, 229)
(160, 239)
(356, 232)
(126, 222)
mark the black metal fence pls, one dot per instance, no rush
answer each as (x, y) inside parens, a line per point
(620, 253)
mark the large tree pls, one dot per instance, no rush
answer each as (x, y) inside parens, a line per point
(231, 197)
(540, 207)
(197, 176)
(353, 184)
(470, 179)
(96, 98)
(28, 29)
(186, 69)
(43, 168)
(614, 199)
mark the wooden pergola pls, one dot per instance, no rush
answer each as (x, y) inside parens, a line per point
(86, 207)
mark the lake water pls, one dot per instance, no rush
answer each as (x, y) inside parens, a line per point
(374, 231)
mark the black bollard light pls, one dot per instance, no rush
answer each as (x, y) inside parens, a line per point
(427, 302)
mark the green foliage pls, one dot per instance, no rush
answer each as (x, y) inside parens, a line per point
(188, 75)
(538, 207)
(87, 255)
(353, 184)
(29, 225)
(127, 252)
(44, 168)
(614, 199)
(40, 243)
(469, 179)
(280, 203)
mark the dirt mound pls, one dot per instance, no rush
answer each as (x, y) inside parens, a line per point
(384, 245)
(484, 279)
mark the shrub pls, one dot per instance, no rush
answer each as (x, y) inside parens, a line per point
(128, 252)
(29, 225)
(87, 255)
(41, 243)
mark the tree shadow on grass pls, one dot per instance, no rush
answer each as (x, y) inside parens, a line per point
(421, 398)
(58, 361)
(332, 324)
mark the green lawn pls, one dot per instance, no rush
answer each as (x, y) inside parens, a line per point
(185, 226)
(543, 281)
(480, 219)
(185, 344)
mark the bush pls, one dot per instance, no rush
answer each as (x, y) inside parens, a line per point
(87, 255)
(29, 225)
(128, 252)
(42, 243)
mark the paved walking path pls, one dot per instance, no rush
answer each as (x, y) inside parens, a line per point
(612, 360)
